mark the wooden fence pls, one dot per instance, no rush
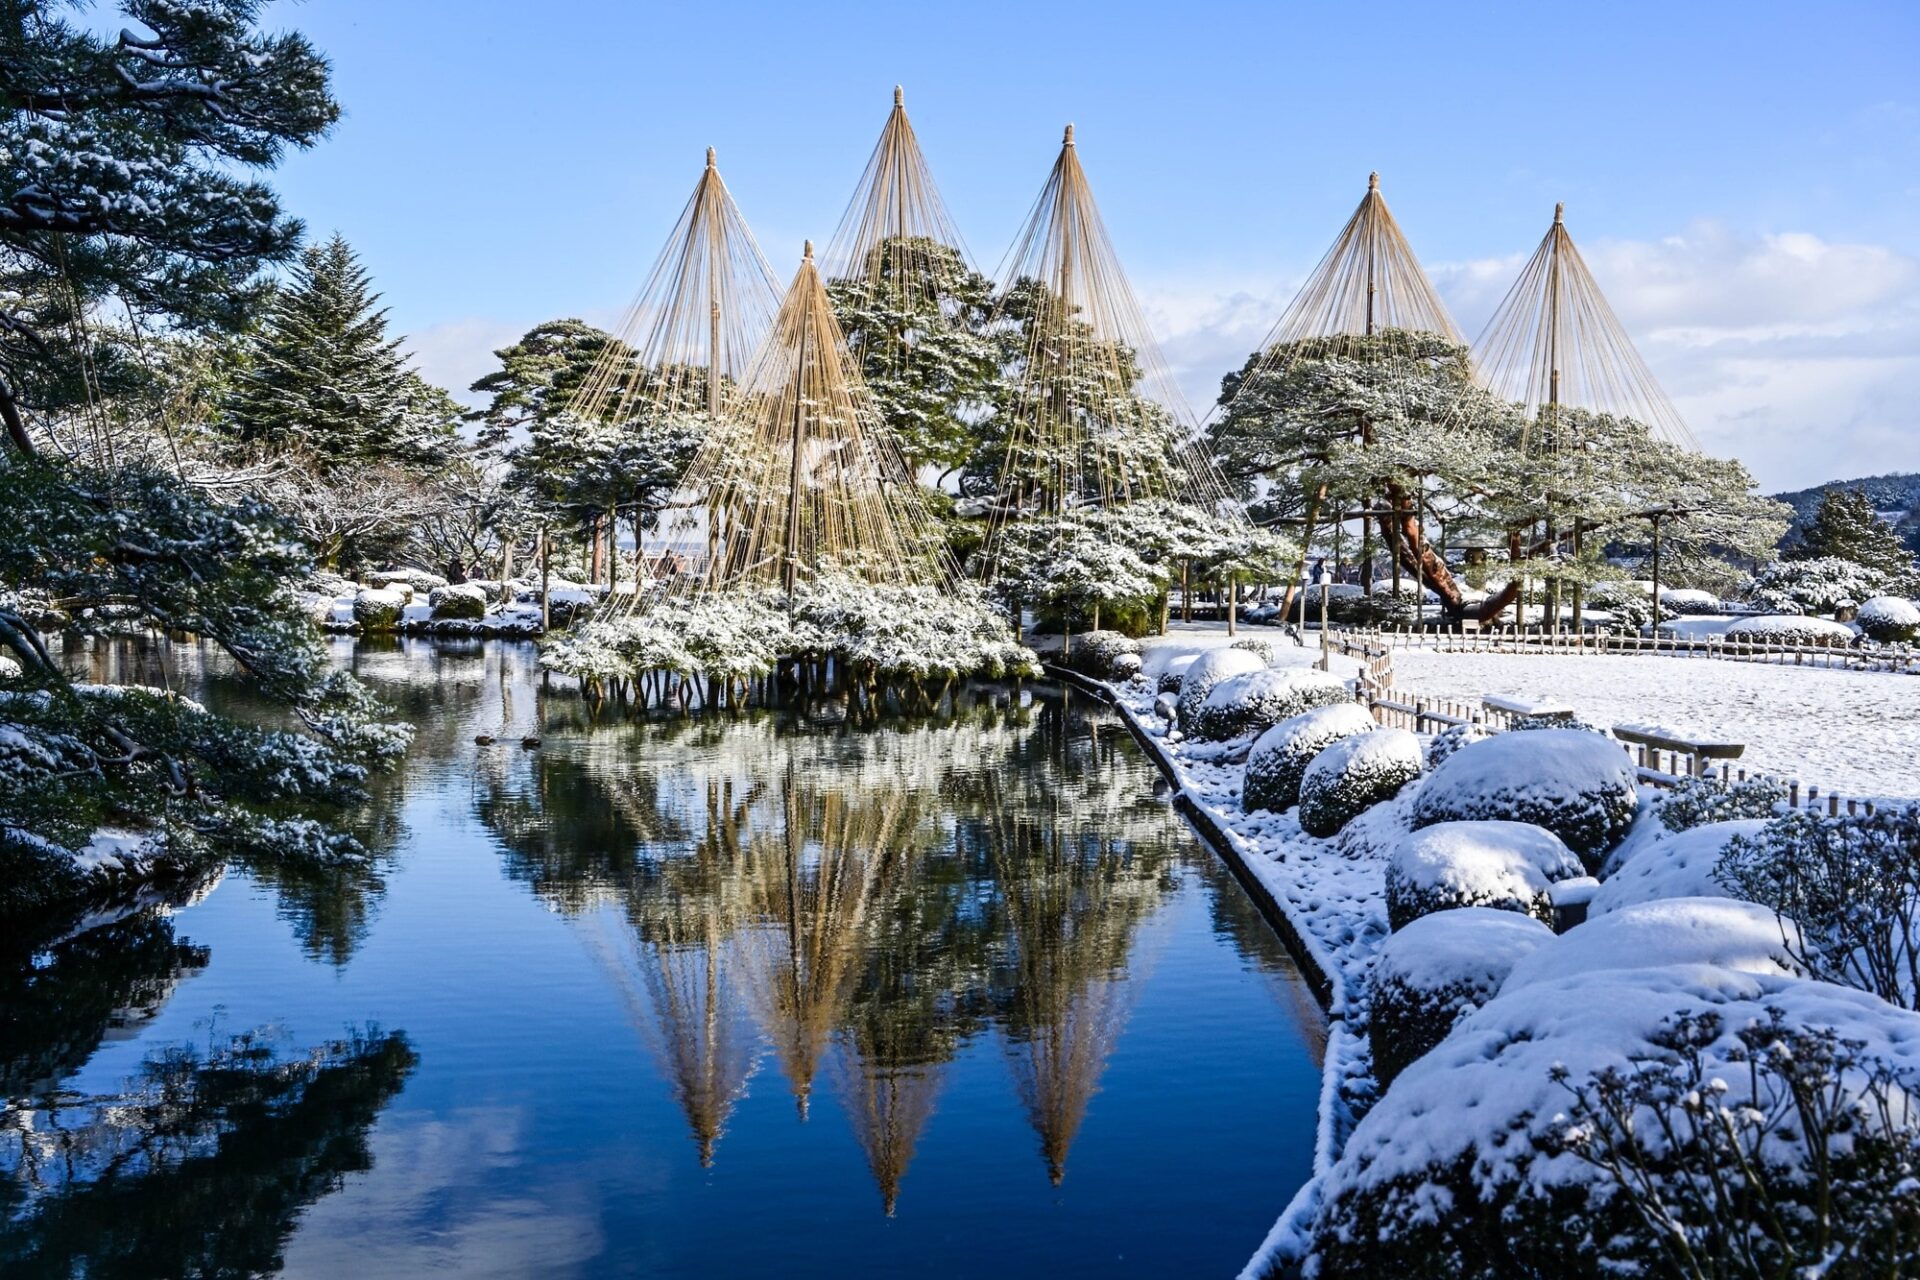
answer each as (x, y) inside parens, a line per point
(1901, 659)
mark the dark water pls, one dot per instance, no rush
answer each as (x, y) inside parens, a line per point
(767, 994)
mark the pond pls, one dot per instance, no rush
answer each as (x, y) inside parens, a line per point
(770, 992)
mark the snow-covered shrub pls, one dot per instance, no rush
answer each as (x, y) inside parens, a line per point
(1630, 604)
(1689, 601)
(1480, 1162)
(1437, 970)
(1779, 629)
(1253, 644)
(1095, 652)
(378, 609)
(1354, 774)
(1851, 883)
(1508, 866)
(1257, 700)
(1718, 931)
(1698, 801)
(1889, 619)
(1125, 667)
(1451, 739)
(1820, 585)
(1280, 756)
(1170, 680)
(1580, 786)
(1206, 671)
(1676, 866)
(462, 601)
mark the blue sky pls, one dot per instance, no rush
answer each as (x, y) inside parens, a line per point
(1745, 179)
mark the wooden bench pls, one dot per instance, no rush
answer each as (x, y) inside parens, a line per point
(1673, 741)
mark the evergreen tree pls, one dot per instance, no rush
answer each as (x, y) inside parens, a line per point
(1846, 528)
(328, 382)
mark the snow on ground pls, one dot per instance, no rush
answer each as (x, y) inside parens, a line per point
(1854, 732)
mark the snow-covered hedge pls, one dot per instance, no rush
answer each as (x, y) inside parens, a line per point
(1206, 671)
(1354, 774)
(378, 608)
(1719, 931)
(1437, 970)
(1280, 757)
(1255, 645)
(1493, 1156)
(1580, 786)
(1094, 653)
(1783, 629)
(1695, 802)
(1820, 585)
(1690, 600)
(1507, 866)
(1257, 700)
(1451, 739)
(462, 601)
(1889, 619)
(1676, 866)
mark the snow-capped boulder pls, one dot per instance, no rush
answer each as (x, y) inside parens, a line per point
(1506, 866)
(379, 609)
(1676, 866)
(1354, 774)
(1280, 756)
(1579, 785)
(1257, 700)
(1889, 619)
(1437, 970)
(1206, 671)
(1783, 629)
(1461, 1170)
(462, 601)
(1671, 931)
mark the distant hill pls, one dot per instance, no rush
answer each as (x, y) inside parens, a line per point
(1899, 492)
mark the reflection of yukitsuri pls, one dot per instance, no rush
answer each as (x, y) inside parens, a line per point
(810, 885)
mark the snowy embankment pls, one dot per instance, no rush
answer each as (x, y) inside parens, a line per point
(413, 602)
(1854, 732)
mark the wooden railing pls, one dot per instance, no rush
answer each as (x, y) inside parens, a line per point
(1903, 659)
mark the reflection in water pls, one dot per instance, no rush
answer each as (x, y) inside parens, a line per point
(199, 1167)
(873, 899)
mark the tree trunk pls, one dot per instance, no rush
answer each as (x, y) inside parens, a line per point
(1186, 591)
(16, 425)
(1429, 566)
(1306, 550)
(1233, 605)
(546, 555)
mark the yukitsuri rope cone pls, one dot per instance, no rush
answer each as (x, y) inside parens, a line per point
(1555, 343)
(805, 481)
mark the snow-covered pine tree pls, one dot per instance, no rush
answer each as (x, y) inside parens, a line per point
(327, 381)
(1846, 527)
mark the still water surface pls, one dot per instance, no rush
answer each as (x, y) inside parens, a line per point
(764, 994)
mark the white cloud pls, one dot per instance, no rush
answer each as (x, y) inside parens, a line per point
(456, 353)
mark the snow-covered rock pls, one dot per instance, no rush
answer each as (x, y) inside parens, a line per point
(416, 582)
(1255, 701)
(1354, 774)
(1579, 785)
(1507, 866)
(1207, 670)
(1674, 866)
(1280, 756)
(1437, 970)
(1784, 629)
(1671, 931)
(379, 609)
(1889, 619)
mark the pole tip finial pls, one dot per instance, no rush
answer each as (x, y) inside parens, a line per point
(806, 253)
(710, 158)
(1559, 213)
(899, 97)
(1373, 180)
(1067, 141)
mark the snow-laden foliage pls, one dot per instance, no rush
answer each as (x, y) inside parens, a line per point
(1689, 600)
(1630, 605)
(1791, 630)
(1815, 586)
(1203, 673)
(462, 601)
(1255, 701)
(1253, 644)
(1280, 756)
(1434, 972)
(379, 608)
(1578, 785)
(1889, 619)
(1684, 865)
(1095, 653)
(1352, 775)
(1507, 866)
(1069, 565)
(1694, 802)
(1851, 883)
(1481, 1161)
(1717, 931)
(1451, 739)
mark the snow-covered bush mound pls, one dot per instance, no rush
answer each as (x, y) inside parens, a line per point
(379, 609)
(1354, 774)
(1678, 866)
(1253, 644)
(1489, 1158)
(462, 601)
(1580, 786)
(1670, 931)
(1508, 866)
(1125, 667)
(1437, 970)
(415, 582)
(1280, 757)
(1257, 700)
(1889, 619)
(1695, 802)
(1782, 629)
(1689, 600)
(1820, 585)
(1094, 653)
(1206, 671)
(1450, 740)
